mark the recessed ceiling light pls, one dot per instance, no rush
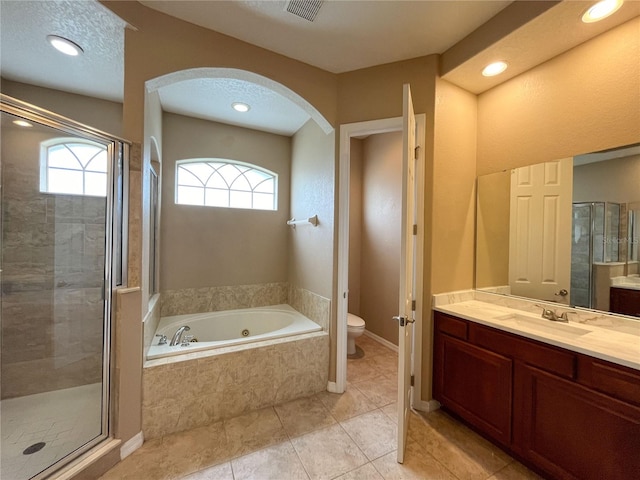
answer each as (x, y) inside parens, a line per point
(240, 107)
(494, 68)
(601, 10)
(22, 123)
(65, 45)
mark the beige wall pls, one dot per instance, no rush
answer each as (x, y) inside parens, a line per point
(355, 224)
(206, 246)
(584, 100)
(381, 227)
(312, 193)
(454, 178)
(94, 112)
(492, 230)
(615, 181)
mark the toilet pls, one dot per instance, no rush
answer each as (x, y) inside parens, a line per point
(355, 328)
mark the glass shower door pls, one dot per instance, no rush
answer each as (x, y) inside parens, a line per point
(55, 300)
(581, 254)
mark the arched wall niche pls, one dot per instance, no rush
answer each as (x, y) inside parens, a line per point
(247, 76)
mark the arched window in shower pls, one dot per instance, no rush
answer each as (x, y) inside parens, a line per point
(225, 183)
(73, 166)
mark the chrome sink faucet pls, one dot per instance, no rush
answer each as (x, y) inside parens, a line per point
(177, 336)
(552, 315)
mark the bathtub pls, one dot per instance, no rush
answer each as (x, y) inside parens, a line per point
(214, 330)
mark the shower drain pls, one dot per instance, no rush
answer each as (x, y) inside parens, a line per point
(36, 447)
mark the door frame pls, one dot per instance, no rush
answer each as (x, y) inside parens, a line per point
(347, 132)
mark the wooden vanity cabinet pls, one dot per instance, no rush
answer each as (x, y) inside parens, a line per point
(625, 301)
(568, 415)
(481, 393)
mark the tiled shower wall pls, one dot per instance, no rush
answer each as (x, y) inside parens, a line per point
(52, 280)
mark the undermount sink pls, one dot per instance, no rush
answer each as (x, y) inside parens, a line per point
(542, 325)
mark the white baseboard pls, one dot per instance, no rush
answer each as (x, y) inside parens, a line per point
(333, 387)
(381, 340)
(131, 445)
(426, 405)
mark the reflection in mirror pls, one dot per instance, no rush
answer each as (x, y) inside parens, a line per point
(565, 231)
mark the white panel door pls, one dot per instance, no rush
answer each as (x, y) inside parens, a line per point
(540, 235)
(405, 316)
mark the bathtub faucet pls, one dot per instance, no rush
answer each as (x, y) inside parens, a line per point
(176, 336)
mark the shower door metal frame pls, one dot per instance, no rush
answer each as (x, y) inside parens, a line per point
(591, 246)
(115, 236)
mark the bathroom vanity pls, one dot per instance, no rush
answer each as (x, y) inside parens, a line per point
(625, 300)
(562, 397)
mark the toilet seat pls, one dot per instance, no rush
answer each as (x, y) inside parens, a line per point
(353, 321)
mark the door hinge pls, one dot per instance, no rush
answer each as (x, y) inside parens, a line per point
(413, 305)
(415, 152)
(415, 229)
(413, 378)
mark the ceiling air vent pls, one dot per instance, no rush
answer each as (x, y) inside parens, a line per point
(307, 9)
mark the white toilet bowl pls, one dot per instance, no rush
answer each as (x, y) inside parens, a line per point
(355, 328)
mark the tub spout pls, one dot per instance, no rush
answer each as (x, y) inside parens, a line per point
(177, 336)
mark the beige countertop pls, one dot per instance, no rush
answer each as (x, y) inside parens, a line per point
(608, 337)
(631, 282)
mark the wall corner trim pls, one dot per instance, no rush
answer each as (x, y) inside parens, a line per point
(131, 445)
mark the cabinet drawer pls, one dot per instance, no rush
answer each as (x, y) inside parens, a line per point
(615, 380)
(451, 326)
(545, 357)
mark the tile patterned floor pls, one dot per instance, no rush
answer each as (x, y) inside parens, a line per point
(326, 436)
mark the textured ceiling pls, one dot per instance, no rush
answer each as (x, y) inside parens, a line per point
(211, 99)
(26, 56)
(346, 35)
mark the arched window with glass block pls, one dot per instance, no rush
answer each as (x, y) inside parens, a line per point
(225, 183)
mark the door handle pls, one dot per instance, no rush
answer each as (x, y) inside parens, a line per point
(561, 293)
(403, 320)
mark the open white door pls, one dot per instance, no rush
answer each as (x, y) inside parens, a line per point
(405, 316)
(540, 210)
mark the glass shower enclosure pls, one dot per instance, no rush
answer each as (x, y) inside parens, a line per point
(62, 216)
(595, 239)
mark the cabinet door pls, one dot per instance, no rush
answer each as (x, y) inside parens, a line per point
(475, 384)
(625, 301)
(573, 432)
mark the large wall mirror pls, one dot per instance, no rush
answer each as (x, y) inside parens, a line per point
(566, 231)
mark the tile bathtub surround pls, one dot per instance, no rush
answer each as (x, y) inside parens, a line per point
(151, 321)
(323, 436)
(180, 394)
(312, 306)
(214, 299)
